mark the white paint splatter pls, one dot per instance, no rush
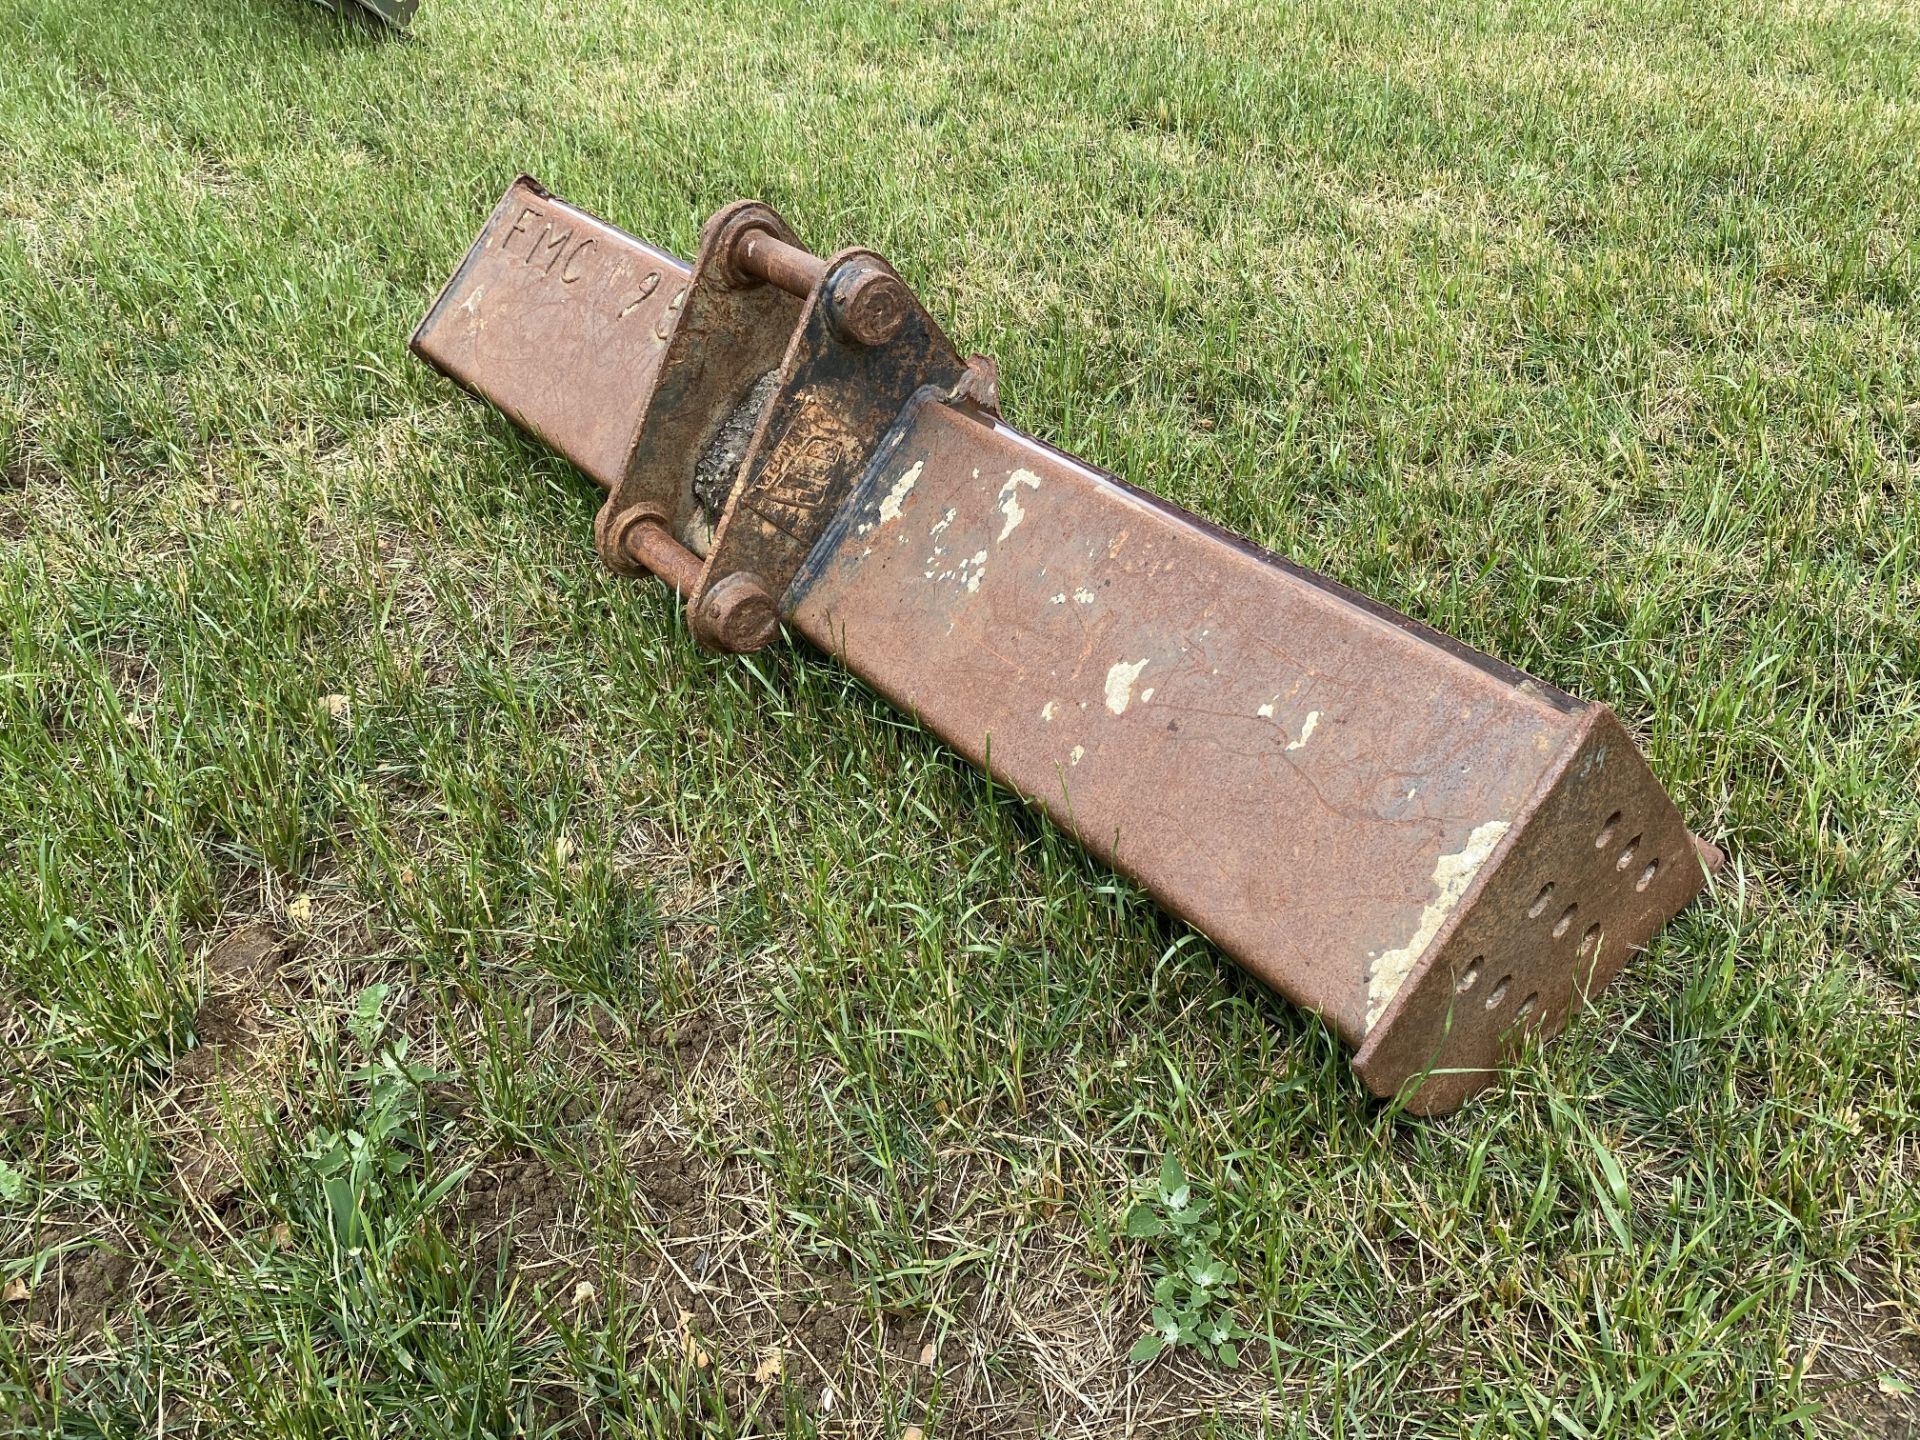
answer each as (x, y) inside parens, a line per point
(1306, 731)
(1083, 596)
(1010, 500)
(890, 506)
(942, 523)
(1453, 875)
(1146, 695)
(1120, 683)
(1078, 752)
(1265, 712)
(978, 562)
(1046, 711)
(1059, 599)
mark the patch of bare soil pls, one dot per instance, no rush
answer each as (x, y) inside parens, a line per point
(93, 1273)
(702, 1289)
(244, 1043)
(15, 506)
(16, 1042)
(136, 680)
(78, 1291)
(696, 1038)
(519, 1213)
(1864, 1356)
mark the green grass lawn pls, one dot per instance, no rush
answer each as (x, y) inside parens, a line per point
(437, 999)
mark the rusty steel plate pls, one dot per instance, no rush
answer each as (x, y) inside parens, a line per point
(1433, 851)
(1428, 848)
(559, 320)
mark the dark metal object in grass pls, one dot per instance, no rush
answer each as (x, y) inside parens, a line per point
(397, 13)
(1435, 852)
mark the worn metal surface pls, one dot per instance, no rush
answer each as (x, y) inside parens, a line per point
(836, 401)
(1432, 850)
(560, 320)
(727, 333)
(1345, 801)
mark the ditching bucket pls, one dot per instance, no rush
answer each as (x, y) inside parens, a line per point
(1432, 850)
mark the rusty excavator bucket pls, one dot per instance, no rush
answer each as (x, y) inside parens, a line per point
(1430, 849)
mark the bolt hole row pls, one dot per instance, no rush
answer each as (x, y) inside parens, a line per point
(1469, 977)
(1496, 997)
(1628, 853)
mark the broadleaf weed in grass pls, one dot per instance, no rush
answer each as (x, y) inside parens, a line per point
(1194, 1289)
(360, 1164)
